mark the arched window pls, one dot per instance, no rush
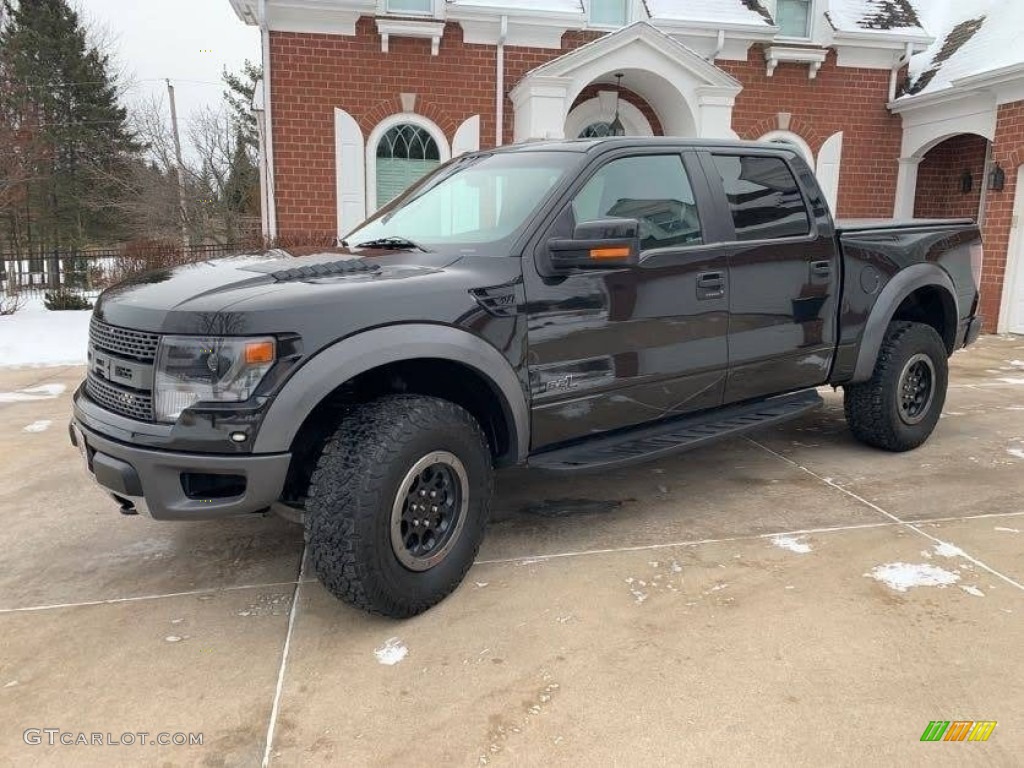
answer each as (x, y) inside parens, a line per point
(405, 153)
(792, 140)
(596, 130)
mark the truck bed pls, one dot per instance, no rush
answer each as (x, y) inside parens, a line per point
(860, 225)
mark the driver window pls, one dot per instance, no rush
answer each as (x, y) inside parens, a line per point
(653, 189)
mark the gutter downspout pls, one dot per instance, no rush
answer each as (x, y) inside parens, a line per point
(718, 48)
(895, 72)
(271, 196)
(499, 96)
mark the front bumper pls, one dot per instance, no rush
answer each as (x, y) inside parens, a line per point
(154, 481)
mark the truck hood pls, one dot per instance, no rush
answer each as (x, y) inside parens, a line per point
(162, 300)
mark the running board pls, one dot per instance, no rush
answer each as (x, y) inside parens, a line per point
(621, 449)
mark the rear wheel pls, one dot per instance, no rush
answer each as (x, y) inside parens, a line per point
(898, 407)
(398, 503)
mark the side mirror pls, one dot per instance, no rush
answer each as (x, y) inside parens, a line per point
(601, 244)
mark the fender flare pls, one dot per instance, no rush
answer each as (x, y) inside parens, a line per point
(345, 359)
(896, 290)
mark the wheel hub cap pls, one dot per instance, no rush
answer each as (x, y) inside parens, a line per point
(916, 389)
(429, 510)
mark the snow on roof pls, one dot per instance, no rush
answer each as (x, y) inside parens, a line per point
(972, 37)
(549, 6)
(749, 12)
(875, 16)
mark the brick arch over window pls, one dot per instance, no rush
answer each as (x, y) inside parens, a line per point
(388, 107)
(797, 125)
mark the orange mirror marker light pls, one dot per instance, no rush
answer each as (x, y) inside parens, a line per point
(609, 253)
(259, 352)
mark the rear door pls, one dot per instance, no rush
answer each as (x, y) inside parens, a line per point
(618, 347)
(784, 273)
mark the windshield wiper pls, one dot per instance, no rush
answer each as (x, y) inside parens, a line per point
(392, 242)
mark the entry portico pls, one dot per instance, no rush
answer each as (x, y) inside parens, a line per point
(689, 95)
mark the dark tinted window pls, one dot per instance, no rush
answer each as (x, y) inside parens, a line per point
(763, 196)
(651, 188)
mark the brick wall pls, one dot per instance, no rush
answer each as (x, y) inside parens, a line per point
(311, 74)
(1008, 151)
(940, 179)
(844, 99)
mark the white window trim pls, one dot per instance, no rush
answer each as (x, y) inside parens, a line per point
(436, 11)
(443, 149)
(812, 23)
(632, 14)
(788, 137)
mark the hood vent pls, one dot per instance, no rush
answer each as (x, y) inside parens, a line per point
(325, 269)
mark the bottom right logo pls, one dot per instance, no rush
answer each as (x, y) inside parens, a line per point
(958, 730)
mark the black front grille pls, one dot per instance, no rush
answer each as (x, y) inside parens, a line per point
(138, 345)
(134, 405)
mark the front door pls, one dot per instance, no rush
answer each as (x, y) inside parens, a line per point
(784, 274)
(618, 347)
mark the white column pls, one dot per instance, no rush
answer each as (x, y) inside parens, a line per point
(714, 113)
(541, 108)
(906, 187)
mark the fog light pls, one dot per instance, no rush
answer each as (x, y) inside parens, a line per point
(239, 437)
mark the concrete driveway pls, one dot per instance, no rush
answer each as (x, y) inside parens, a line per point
(720, 608)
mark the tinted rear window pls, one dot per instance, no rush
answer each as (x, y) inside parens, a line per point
(764, 198)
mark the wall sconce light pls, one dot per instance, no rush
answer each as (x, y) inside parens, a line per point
(966, 183)
(997, 179)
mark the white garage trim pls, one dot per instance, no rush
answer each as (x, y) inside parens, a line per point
(1011, 319)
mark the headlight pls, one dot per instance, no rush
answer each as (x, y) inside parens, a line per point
(192, 369)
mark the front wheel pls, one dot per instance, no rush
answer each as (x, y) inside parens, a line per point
(398, 503)
(898, 407)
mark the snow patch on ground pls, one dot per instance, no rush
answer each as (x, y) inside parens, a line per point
(792, 543)
(43, 392)
(392, 652)
(1007, 530)
(1016, 452)
(1012, 380)
(36, 337)
(38, 426)
(903, 576)
(948, 550)
(970, 590)
(1016, 363)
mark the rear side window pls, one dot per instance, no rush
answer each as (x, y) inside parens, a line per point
(764, 198)
(653, 189)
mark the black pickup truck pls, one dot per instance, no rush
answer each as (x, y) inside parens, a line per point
(569, 306)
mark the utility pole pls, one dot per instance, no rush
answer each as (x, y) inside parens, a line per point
(182, 209)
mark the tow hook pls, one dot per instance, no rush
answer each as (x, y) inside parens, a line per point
(127, 506)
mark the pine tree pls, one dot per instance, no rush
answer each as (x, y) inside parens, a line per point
(240, 89)
(66, 97)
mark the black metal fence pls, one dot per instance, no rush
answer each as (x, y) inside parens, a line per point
(93, 269)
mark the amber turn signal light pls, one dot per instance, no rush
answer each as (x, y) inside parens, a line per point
(259, 352)
(609, 253)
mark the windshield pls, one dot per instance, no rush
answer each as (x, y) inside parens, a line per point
(482, 201)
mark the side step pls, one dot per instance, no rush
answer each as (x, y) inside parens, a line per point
(621, 449)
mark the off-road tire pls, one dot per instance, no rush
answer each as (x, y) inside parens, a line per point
(353, 488)
(873, 407)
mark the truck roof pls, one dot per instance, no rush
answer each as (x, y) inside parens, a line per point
(588, 145)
